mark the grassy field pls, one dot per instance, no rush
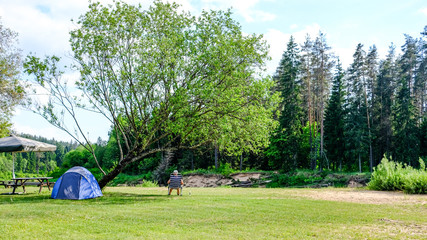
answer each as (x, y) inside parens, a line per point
(216, 213)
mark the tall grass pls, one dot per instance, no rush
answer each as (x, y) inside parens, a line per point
(392, 176)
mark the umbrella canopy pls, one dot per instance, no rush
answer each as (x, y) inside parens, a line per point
(19, 144)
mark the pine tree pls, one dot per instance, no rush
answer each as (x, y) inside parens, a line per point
(308, 101)
(285, 143)
(406, 142)
(423, 138)
(420, 84)
(356, 128)
(322, 74)
(383, 96)
(405, 135)
(421, 92)
(334, 122)
(371, 68)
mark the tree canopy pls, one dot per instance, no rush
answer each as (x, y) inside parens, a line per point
(165, 80)
(12, 91)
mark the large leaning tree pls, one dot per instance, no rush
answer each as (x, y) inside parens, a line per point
(163, 76)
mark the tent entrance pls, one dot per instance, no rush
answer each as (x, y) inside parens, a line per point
(70, 186)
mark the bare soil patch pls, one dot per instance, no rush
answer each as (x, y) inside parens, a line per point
(362, 196)
(216, 180)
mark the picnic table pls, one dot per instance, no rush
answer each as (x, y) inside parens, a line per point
(22, 182)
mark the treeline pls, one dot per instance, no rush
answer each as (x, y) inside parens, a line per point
(349, 119)
(35, 162)
(329, 118)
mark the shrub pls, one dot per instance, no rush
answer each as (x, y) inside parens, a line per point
(416, 180)
(299, 178)
(392, 176)
(225, 169)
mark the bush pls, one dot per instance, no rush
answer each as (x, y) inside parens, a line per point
(310, 178)
(416, 180)
(392, 176)
(224, 170)
(299, 178)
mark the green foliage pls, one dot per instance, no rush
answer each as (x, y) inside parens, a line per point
(356, 121)
(210, 170)
(163, 76)
(8, 175)
(334, 122)
(405, 117)
(57, 173)
(309, 178)
(12, 91)
(225, 169)
(392, 176)
(298, 178)
(423, 137)
(382, 106)
(78, 157)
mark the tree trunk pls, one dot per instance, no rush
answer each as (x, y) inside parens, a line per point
(111, 175)
(192, 160)
(360, 164)
(369, 131)
(216, 157)
(312, 155)
(241, 161)
(37, 164)
(371, 164)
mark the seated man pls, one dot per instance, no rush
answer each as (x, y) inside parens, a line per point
(175, 182)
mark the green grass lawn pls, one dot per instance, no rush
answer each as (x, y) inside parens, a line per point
(209, 213)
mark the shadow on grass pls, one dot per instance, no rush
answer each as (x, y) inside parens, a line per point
(108, 198)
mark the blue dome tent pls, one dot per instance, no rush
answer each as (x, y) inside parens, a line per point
(76, 183)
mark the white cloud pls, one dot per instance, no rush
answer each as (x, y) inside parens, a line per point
(38, 31)
(264, 16)
(423, 11)
(345, 55)
(47, 132)
(293, 26)
(44, 25)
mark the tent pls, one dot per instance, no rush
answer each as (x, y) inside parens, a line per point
(18, 144)
(76, 183)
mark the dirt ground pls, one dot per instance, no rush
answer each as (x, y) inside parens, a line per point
(215, 180)
(356, 195)
(362, 196)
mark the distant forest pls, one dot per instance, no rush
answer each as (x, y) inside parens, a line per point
(329, 118)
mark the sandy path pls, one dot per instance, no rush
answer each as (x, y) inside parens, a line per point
(362, 196)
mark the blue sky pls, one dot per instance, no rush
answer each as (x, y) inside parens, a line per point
(43, 27)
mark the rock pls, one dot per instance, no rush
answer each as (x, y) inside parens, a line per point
(354, 184)
(216, 180)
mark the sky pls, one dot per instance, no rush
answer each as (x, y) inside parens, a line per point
(44, 25)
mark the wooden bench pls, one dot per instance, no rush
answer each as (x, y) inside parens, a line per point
(22, 182)
(7, 184)
(38, 184)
